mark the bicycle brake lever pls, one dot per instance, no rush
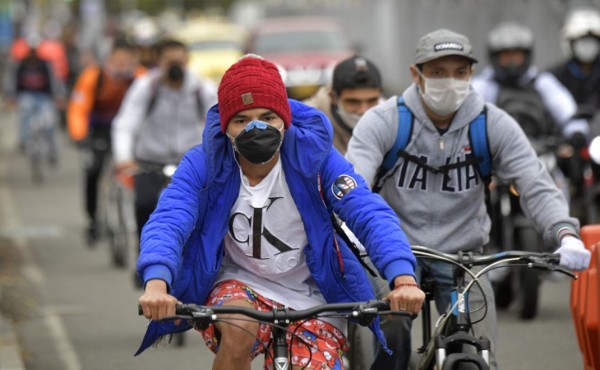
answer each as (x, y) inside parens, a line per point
(551, 267)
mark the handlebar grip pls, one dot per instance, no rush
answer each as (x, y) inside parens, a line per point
(380, 305)
(178, 310)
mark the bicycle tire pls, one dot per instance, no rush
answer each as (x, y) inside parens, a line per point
(37, 172)
(591, 207)
(503, 291)
(180, 339)
(118, 248)
(34, 152)
(529, 279)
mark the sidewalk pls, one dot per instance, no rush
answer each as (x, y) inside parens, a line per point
(10, 350)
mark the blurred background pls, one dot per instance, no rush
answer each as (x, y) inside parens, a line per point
(69, 306)
(386, 31)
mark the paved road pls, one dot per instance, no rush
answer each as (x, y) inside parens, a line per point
(73, 311)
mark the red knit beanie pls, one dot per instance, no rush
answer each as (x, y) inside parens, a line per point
(252, 82)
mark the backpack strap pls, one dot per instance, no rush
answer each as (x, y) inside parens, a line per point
(480, 145)
(154, 97)
(405, 125)
(482, 159)
(154, 85)
(403, 135)
(99, 83)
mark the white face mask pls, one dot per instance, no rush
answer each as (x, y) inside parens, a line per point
(444, 95)
(586, 49)
(350, 119)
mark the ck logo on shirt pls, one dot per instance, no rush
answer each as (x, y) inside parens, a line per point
(255, 223)
(414, 176)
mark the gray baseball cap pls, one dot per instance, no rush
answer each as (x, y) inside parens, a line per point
(441, 43)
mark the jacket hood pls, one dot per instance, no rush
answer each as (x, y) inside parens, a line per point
(305, 143)
(468, 111)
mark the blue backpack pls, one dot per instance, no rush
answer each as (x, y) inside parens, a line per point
(482, 158)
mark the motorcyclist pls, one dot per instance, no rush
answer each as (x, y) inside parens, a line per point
(510, 50)
(580, 74)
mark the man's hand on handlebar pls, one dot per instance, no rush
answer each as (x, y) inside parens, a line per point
(573, 254)
(156, 302)
(406, 296)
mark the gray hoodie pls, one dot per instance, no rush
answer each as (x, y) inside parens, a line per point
(448, 213)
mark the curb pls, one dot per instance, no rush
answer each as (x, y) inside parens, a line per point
(10, 349)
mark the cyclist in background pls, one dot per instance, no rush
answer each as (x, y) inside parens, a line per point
(161, 117)
(434, 186)
(249, 211)
(94, 103)
(355, 87)
(31, 84)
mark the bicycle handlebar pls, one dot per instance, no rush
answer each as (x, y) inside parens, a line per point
(204, 315)
(545, 261)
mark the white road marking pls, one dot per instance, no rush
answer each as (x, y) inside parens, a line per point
(53, 322)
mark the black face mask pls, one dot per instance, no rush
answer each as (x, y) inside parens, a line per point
(258, 143)
(175, 73)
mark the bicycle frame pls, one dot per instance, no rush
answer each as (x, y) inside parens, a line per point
(439, 351)
(436, 351)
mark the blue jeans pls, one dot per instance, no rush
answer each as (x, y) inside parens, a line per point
(397, 330)
(34, 104)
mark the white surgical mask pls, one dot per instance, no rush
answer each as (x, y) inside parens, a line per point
(350, 119)
(444, 95)
(586, 49)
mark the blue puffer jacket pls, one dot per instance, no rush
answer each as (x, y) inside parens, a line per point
(182, 243)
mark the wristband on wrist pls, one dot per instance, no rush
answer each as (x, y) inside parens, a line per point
(397, 286)
(566, 231)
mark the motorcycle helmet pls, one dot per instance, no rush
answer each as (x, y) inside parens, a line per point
(581, 34)
(510, 36)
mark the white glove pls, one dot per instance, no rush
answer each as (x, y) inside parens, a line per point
(573, 254)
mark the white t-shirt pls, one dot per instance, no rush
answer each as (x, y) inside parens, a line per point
(265, 242)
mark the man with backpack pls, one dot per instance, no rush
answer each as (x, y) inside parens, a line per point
(162, 116)
(94, 103)
(427, 154)
(32, 86)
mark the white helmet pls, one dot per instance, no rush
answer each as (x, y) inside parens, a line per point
(510, 35)
(581, 21)
(145, 32)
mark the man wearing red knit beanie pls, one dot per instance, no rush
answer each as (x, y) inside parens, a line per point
(246, 222)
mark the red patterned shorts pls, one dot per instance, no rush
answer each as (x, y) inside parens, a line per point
(326, 342)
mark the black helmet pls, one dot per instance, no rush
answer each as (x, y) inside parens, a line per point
(510, 36)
